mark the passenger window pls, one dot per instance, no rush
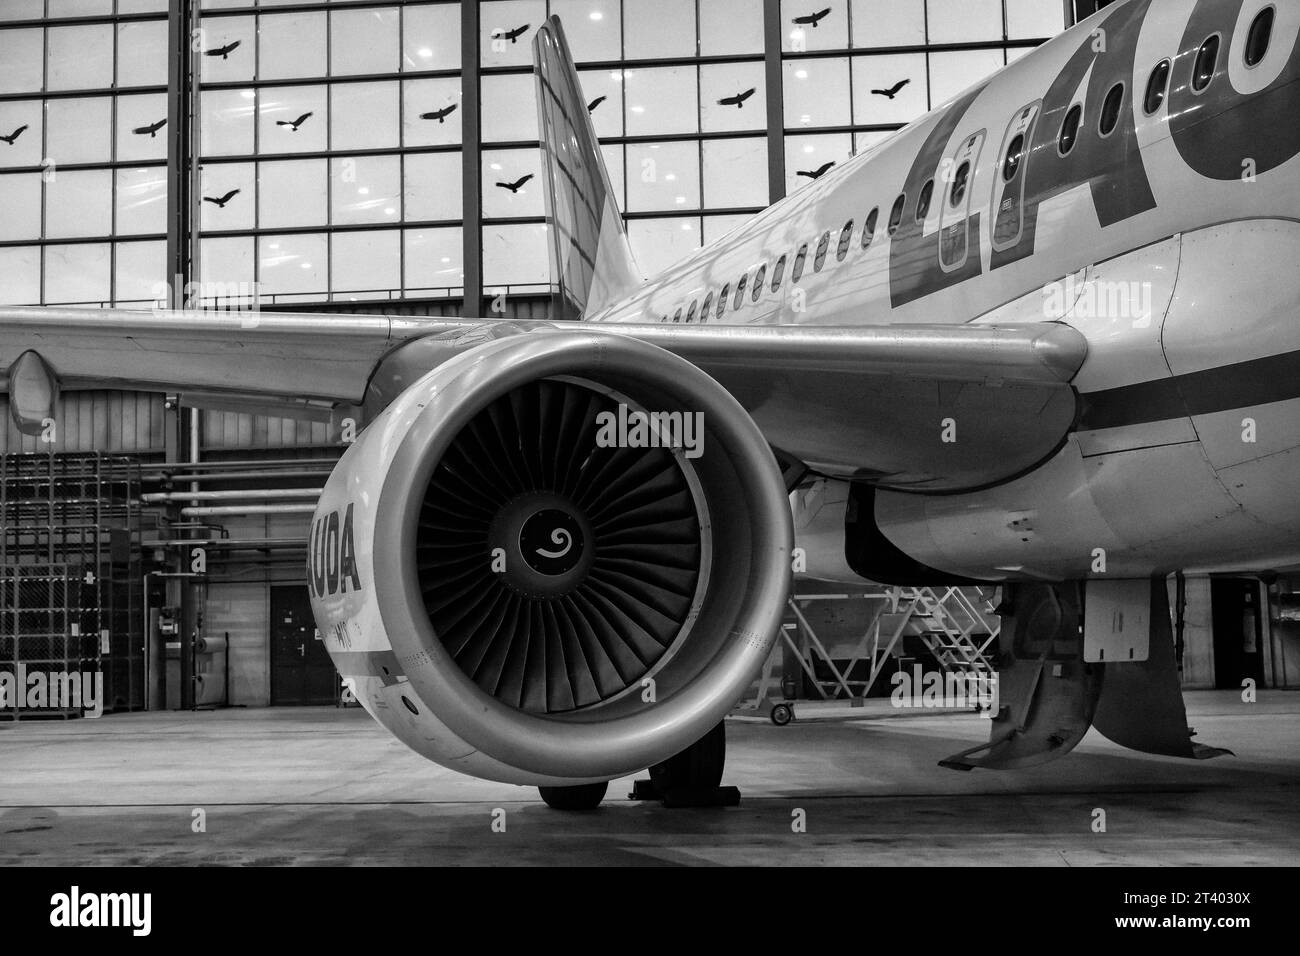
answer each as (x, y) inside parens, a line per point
(960, 179)
(722, 299)
(800, 258)
(822, 245)
(777, 271)
(1015, 153)
(690, 313)
(677, 316)
(1206, 60)
(740, 292)
(759, 276)
(1156, 87)
(923, 201)
(896, 214)
(1110, 108)
(869, 227)
(1070, 129)
(1261, 31)
(845, 235)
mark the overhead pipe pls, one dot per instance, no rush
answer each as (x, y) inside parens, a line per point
(234, 510)
(164, 497)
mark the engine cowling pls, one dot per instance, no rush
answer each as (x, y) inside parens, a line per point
(557, 558)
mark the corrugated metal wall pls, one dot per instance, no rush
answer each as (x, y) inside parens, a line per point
(128, 422)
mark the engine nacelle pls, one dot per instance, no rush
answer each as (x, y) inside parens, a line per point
(557, 558)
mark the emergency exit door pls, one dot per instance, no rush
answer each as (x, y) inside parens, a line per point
(301, 669)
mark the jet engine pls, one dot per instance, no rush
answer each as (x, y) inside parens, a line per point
(557, 558)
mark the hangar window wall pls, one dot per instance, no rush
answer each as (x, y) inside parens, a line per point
(331, 142)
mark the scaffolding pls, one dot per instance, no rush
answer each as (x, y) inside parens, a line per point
(71, 571)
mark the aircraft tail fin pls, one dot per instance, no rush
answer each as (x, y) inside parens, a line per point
(591, 258)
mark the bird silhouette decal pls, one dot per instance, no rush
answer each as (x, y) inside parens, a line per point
(594, 103)
(738, 101)
(514, 187)
(220, 201)
(293, 124)
(818, 172)
(511, 35)
(152, 131)
(224, 51)
(893, 90)
(14, 135)
(440, 115)
(812, 18)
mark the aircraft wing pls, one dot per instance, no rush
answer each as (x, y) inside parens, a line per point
(933, 408)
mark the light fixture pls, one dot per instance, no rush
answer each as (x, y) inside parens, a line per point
(446, 259)
(809, 148)
(681, 200)
(306, 265)
(597, 15)
(801, 74)
(425, 52)
(671, 177)
(363, 190)
(389, 211)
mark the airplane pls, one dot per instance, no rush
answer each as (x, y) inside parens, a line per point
(1042, 337)
(151, 129)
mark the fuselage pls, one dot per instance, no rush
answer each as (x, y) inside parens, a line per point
(1137, 178)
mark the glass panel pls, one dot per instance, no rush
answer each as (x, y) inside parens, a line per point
(614, 166)
(434, 260)
(365, 189)
(142, 53)
(816, 92)
(229, 196)
(603, 92)
(79, 58)
(431, 37)
(592, 26)
(509, 110)
(661, 100)
(510, 183)
(79, 130)
(889, 23)
(229, 49)
(227, 262)
(226, 123)
(369, 261)
(659, 243)
(515, 255)
(889, 88)
(141, 201)
(139, 272)
(730, 27)
(665, 176)
(292, 264)
(732, 97)
(21, 267)
(141, 6)
(363, 41)
(22, 9)
(966, 21)
(658, 28)
(814, 25)
(291, 44)
(432, 112)
(22, 205)
(432, 189)
(955, 72)
(1033, 19)
(80, 8)
(810, 155)
(21, 60)
(506, 29)
(22, 126)
(142, 127)
(291, 119)
(363, 115)
(77, 273)
(865, 141)
(79, 203)
(291, 193)
(735, 172)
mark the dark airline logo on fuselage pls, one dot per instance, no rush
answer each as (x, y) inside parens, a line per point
(331, 555)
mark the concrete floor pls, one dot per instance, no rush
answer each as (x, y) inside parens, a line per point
(324, 786)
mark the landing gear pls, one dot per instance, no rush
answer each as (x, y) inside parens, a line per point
(692, 777)
(781, 714)
(585, 796)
